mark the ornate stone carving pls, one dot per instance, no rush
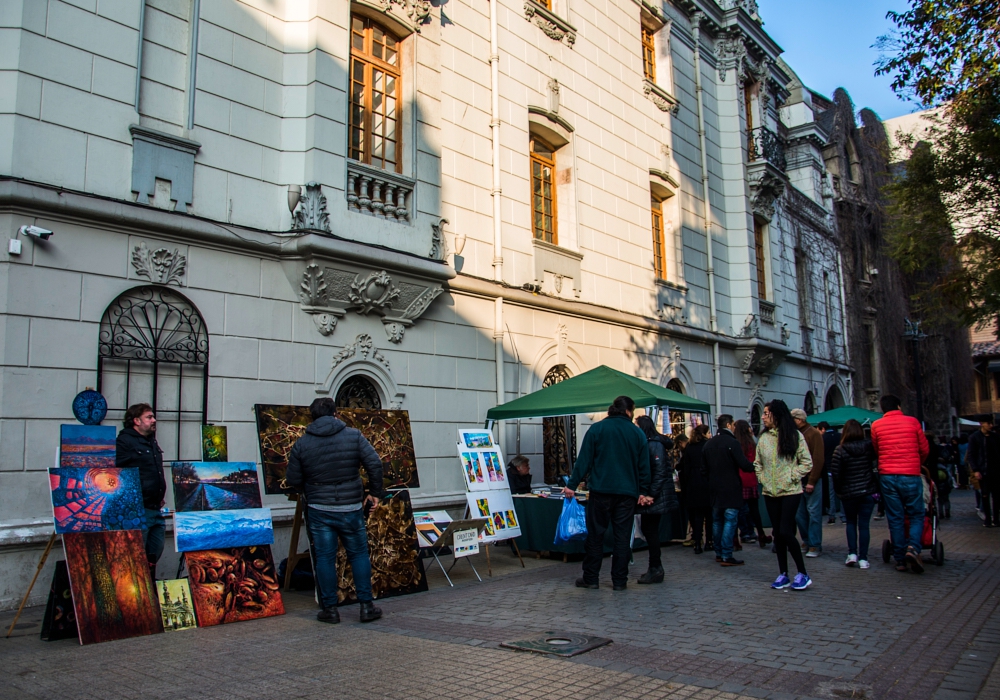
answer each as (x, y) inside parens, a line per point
(659, 97)
(765, 188)
(364, 346)
(161, 266)
(439, 247)
(374, 292)
(311, 214)
(731, 52)
(751, 327)
(551, 24)
(314, 291)
(395, 325)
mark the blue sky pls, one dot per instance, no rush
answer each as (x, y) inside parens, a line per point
(828, 43)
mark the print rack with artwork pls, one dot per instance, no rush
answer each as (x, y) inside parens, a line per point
(487, 487)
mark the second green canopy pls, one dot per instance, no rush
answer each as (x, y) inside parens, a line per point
(593, 392)
(838, 416)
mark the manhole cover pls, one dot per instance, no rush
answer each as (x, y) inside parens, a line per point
(558, 643)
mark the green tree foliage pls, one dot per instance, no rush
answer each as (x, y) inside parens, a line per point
(944, 223)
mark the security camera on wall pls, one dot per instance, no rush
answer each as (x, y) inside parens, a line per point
(36, 232)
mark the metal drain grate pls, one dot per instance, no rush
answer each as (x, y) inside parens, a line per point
(558, 643)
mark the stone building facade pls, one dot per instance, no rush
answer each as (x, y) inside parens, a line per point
(399, 204)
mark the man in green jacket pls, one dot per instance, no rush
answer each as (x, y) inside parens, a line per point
(614, 463)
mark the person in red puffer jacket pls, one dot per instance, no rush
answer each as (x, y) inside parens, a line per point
(901, 447)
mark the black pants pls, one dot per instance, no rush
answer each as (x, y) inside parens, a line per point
(782, 511)
(604, 509)
(754, 505)
(990, 488)
(651, 533)
(701, 523)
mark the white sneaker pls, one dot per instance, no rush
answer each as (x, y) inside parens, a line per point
(852, 559)
(863, 564)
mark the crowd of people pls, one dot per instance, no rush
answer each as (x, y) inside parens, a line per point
(890, 469)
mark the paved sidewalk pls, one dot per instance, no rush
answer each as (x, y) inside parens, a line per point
(707, 632)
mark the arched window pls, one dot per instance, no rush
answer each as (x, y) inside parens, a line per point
(678, 419)
(359, 392)
(153, 348)
(834, 399)
(810, 403)
(558, 434)
(755, 420)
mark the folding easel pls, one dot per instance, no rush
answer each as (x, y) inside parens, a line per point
(448, 536)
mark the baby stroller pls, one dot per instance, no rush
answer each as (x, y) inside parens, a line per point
(929, 542)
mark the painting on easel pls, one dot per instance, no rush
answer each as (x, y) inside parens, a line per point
(278, 427)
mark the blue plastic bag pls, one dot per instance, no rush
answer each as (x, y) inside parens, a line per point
(572, 523)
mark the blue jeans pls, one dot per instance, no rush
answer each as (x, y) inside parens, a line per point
(904, 497)
(810, 516)
(724, 530)
(859, 513)
(154, 535)
(836, 505)
(324, 528)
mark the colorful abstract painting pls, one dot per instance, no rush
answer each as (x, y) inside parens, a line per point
(215, 485)
(498, 509)
(214, 443)
(86, 445)
(113, 593)
(233, 585)
(59, 621)
(397, 568)
(94, 499)
(222, 529)
(390, 435)
(176, 607)
(278, 427)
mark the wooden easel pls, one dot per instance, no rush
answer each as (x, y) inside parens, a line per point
(41, 563)
(512, 540)
(294, 556)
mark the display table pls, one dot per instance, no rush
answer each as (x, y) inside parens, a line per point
(538, 518)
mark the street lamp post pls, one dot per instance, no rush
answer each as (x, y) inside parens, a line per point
(914, 333)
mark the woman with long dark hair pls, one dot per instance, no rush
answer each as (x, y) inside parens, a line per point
(751, 487)
(852, 469)
(694, 486)
(782, 461)
(661, 476)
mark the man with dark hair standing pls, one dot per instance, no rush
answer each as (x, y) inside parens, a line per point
(614, 462)
(722, 459)
(325, 465)
(136, 447)
(810, 515)
(901, 447)
(984, 460)
(831, 438)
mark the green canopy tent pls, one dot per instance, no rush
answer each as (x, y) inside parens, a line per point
(593, 392)
(838, 416)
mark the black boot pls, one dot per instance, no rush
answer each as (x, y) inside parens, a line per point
(654, 575)
(697, 548)
(331, 615)
(369, 613)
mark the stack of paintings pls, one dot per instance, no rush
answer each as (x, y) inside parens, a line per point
(225, 534)
(98, 509)
(488, 490)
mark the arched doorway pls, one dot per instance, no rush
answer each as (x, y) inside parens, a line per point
(677, 419)
(153, 348)
(834, 399)
(359, 391)
(558, 434)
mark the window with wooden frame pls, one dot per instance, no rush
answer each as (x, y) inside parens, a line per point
(659, 242)
(758, 244)
(543, 191)
(375, 116)
(648, 53)
(547, 4)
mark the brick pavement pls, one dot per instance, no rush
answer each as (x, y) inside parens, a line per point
(707, 632)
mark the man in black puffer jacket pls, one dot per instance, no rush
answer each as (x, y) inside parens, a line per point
(325, 464)
(136, 447)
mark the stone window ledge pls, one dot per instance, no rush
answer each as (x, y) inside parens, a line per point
(557, 261)
(660, 97)
(554, 26)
